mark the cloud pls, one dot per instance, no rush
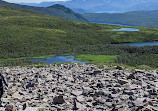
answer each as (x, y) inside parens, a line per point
(31, 1)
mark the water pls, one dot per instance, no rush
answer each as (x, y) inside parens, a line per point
(126, 29)
(111, 24)
(140, 44)
(110, 12)
(56, 59)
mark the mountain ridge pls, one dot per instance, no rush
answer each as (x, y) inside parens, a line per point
(56, 10)
(133, 18)
(105, 5)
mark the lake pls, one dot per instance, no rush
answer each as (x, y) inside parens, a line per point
(56, 59)
(111, 12)
(110, 24)
(126, 29)
(140, 44)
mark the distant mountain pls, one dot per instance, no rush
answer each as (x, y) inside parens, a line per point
(73, 4)
(42, 4)
(133, 18)
(105, 5)
(79, 10)
(54, 10)
(47, 4)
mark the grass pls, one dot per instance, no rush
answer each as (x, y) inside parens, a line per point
(97, 58)
(26, 34)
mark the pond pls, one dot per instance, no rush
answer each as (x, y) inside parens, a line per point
(126, 29)
(140, 44)
(56, 59)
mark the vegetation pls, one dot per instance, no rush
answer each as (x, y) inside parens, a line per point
(97, 58)
(26, 34)
(134, 18)
(54, 10)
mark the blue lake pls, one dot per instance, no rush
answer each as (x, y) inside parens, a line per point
(140, 44)
(56, 59)
(111, 12)
(111, 24)
(126, 29)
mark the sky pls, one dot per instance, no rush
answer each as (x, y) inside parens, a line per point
(30, 1)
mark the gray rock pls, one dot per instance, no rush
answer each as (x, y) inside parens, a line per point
(140, 101)
(139, 71)
(10, 107)
(128, 92)
(118, 67)
(74, 105)
(25, 105)
(122, 81)
(89, 99)
(58, 100)
(131, 76)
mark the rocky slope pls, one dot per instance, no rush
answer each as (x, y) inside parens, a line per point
(80, 87)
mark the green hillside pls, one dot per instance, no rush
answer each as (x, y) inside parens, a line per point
(134, 18)
(55, 10)
(25, 33)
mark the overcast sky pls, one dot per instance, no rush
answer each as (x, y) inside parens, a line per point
(30, 1)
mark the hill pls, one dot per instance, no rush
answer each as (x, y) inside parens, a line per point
(26, 33)
(134, 18)
(104, 5)
(54, 10)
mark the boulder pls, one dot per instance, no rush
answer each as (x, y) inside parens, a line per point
(100, 85)
(139, 71)
(76, 93)
(94, 72)
(17, 95)
(128, 92)
(29, 85)
(80, 106)
(10, 107)
(89, 99)
(74, 105)
(31, 109)
(25, 105)
(122, 81)
(140, 101)
(118, 67)
(2, 109)
(58, 100)
(131, 76)
(80, 98)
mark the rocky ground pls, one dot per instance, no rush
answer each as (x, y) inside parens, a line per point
(80, 87)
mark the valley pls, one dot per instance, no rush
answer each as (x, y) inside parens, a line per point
(29, 34)
(54, 59)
